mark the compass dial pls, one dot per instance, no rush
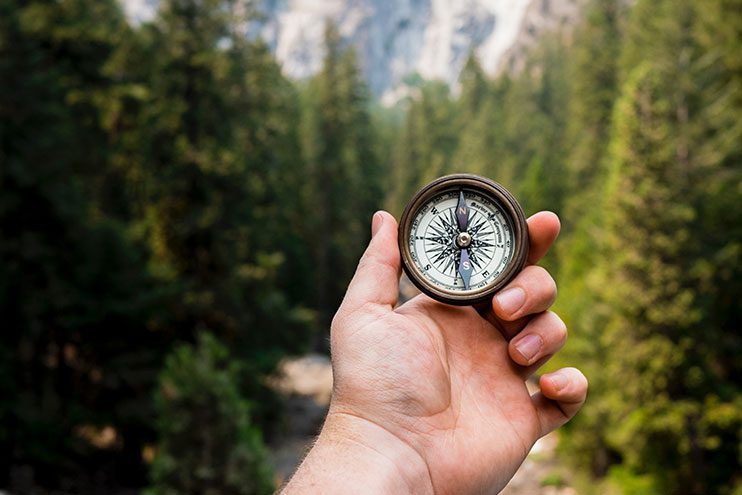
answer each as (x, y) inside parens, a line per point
(462, 238)
(437, 254)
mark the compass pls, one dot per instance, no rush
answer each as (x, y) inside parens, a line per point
(462, 238)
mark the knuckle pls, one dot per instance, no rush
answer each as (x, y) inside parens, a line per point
(578, 384)
(537, 272)
(553, 290)
(546, 281)
(541, 284)
(578, 377)
(557, 327)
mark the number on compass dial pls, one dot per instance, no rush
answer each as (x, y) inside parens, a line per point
(461, 240)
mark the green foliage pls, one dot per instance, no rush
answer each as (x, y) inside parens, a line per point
(425, 145)
(74, 291)
(338, 145)
(593, 78)
(164, 179)
(207, 444)
(511, 129)
(630, 131)
(660, 355)
(553, 479)
(481, 146)
(649, 231)
(474, 88)
(633, 483)
(143, 174)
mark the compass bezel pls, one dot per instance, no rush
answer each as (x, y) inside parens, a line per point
(503, 199)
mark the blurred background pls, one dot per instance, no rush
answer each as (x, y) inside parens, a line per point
(186, 187)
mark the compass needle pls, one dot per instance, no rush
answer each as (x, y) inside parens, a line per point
(465, 268)
(462, 212)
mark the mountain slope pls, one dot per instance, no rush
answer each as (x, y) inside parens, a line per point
(394, 38)
(400, 39)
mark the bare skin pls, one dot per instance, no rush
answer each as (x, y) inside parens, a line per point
(430, 398)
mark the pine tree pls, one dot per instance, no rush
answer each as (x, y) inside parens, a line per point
(345, 186)
(650, 294)
(219, 149)
(76, 297)
(593, 77)
(474, 88)
(593, 85)
(480, 148)
(207, 444)
(551, 125)
(523, 120)
(668, 394)
(426, 144)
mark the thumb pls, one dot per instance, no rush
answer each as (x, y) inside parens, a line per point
(376, 281)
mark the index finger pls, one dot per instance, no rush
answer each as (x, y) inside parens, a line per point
(543, 229)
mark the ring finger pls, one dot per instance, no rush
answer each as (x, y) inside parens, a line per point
(531, 292)
(543, 336)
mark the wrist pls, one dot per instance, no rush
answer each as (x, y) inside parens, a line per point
(353, 453)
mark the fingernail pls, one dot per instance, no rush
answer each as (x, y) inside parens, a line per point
(559, 381)
(510, 300)
(529, 346)
(376, 223)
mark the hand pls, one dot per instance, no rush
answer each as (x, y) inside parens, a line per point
(431, 398)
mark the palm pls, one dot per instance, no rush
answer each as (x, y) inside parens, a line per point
(448, 388)
(443, 380)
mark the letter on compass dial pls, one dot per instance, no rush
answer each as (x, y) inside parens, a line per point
(462, 213)
(465, 267)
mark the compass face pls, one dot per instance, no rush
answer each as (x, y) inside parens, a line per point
(437, 255)
(462, 238)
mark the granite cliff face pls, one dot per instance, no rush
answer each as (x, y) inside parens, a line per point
(541, 16)
(394, 38)
(397, 39)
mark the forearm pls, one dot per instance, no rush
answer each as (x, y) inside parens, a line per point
(353, 454)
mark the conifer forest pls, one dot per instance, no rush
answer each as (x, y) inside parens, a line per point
(176, 217)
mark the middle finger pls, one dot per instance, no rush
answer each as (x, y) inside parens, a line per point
(532, 291)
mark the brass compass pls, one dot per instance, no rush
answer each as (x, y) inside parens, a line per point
(462, 238)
